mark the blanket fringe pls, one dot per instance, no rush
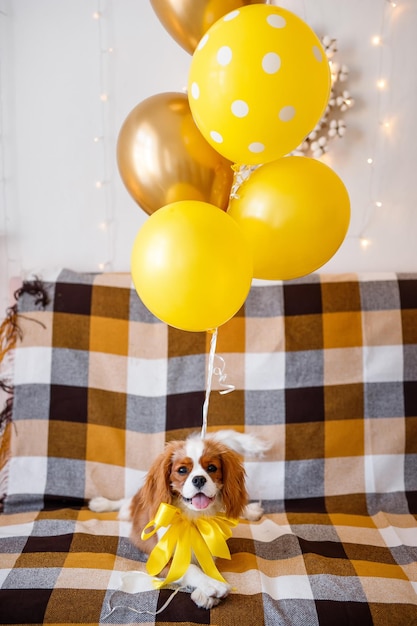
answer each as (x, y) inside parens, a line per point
(4, 461)
(9, 329)
(10, 333)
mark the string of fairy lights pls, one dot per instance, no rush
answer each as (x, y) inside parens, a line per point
(380, 48)
(103, 138)
(317, 144)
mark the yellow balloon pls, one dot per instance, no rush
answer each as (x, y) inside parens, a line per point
(294, 213)
(259, 82)
(187, 20)
(191, 265)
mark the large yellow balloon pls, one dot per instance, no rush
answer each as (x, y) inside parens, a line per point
(259, 82)
(187, 20)
(191, 265)
(294, 213)
(163, 157)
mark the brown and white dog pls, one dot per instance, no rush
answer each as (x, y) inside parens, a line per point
(200, 477)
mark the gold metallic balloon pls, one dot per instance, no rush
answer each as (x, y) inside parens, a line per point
(187, 20)
(162, 156)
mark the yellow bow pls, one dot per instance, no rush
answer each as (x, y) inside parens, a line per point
(205, 537)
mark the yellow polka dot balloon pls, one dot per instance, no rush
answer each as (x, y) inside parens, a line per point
(259, 82)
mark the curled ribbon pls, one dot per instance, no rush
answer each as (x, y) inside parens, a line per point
(203, 537)
(217, 371)
(220, 372)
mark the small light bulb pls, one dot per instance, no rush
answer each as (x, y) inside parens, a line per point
(376, 40)
(97, 139)
(365, 243)
(101, 266)
(369, 161)
(99, 184)
(378, 203)
(104, 97)
(96, 15)
(381, 83)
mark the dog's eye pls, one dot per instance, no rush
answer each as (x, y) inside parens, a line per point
(182, 470)
(211, 468)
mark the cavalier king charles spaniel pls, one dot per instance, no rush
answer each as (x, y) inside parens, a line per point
(202, 477)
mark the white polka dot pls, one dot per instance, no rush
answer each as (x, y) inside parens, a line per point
(317, 53)
(256, 146)
(202, 42)
(216, 136)
(271, 63)
(231, 16)
(195, 91)
(276, 21)
(286, 113)
(224, 55)
(240, 108)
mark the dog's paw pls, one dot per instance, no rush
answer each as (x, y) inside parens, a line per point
(104, 505)
(210, 594)
(100, 504)
(204, 601)
(253, 512)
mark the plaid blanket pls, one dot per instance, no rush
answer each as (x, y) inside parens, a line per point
(323, 367)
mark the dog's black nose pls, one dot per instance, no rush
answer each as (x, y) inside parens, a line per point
(199, 481)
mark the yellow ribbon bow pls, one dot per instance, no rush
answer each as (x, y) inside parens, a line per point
(205, 537)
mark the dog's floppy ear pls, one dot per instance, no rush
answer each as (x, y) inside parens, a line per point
(235, 496)
(157, 488)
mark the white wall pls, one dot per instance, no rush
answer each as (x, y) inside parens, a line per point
(54, 66)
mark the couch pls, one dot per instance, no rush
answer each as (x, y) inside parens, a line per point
(324, 368)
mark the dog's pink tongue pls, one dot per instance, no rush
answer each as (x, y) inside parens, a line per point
(200, 501)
